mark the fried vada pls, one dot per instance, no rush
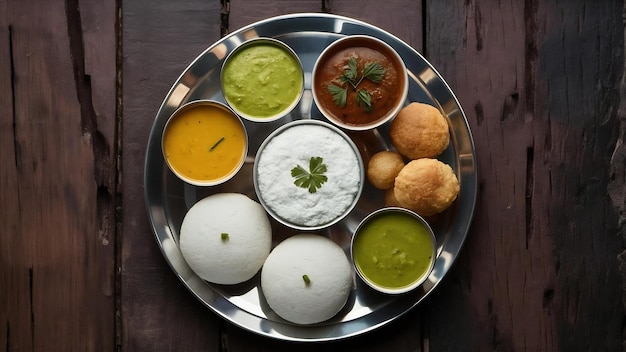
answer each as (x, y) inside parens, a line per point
(383, 168)
(426, 186)
(420, 131)
(390, 199)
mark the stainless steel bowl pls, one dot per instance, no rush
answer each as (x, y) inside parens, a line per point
(247, 45)
(352, 43)
(192, 105)
(431, 258)
(274, 209)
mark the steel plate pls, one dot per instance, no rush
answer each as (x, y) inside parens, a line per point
(168, 198)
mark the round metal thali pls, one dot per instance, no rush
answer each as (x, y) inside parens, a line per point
(168, 198)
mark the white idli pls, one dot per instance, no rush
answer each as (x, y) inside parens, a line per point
(225, 238)
(327, 269)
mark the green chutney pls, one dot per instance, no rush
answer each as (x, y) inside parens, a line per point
(262, 80)
(393, 250)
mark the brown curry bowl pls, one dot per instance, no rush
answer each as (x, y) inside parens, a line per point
(359, 82)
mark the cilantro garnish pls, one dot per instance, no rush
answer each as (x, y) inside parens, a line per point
(351, 73)
(364, 100)
(372, 71)
(312, 179)
(340, 95)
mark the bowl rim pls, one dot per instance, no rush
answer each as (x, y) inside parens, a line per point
(190, 105)
(283, 128)
(274, 42)
(416, 283)
(392, 113)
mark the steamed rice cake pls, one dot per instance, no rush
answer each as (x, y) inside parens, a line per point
(225, 238)
(306, 279)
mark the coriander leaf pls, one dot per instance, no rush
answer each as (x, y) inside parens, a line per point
(316, 166)
(364, 100)
(340, 95)
(303, 179)
(301, 176)
(312, 179)
(373, 71)
(350, 73)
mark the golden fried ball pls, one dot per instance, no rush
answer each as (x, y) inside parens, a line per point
(420, 131)
(390, 199)
(426, 186)
(383, 168)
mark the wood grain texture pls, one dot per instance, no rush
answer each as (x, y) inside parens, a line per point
(242, 13)
(402, 18)
(404, 334)
(57, 186)
(540, 84)
(160, 39)
(617, 185)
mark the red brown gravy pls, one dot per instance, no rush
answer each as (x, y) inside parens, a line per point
(384, 95)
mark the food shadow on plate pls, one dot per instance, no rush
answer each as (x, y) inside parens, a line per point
(273, 317)
(239, 289)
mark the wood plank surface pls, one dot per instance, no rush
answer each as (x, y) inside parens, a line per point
(542, 84)
(160, 39)
(403, 18)
(539, 81)
(58, 181)
(617, 185)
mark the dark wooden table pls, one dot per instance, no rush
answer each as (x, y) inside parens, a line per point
(541, 82)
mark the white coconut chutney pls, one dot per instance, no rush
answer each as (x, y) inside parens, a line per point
(295, 146)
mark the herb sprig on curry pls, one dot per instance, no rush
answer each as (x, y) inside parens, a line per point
(359, 82)
(350, 78)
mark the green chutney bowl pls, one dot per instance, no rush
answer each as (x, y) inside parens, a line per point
(393, 250)
(262, 79)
